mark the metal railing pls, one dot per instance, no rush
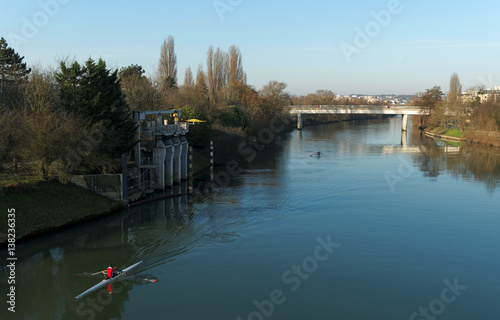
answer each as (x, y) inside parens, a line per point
(353, 106)
(170, 129)
(146, 161)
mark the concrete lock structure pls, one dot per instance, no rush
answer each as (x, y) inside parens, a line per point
(160, 157)
(158, 161)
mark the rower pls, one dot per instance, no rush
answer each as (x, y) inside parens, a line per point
(111, 271)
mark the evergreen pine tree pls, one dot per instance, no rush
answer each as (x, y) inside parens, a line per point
(68, 80)
(12, 72)
(94, 92)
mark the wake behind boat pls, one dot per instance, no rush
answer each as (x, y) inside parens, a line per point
(105, 282)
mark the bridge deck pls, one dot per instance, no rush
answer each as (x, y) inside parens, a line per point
(356, 109)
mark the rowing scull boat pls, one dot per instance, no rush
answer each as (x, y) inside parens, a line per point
(105, 282)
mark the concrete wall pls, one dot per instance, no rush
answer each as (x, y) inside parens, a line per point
(108, 185)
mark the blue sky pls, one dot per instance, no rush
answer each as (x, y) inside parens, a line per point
(358, 46)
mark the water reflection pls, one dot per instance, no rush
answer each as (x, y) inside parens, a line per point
(468, 162)
(159, 232)
(432, 157)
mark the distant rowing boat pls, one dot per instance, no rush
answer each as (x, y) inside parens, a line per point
(317, 154)
(105, 282)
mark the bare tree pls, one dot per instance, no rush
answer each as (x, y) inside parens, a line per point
(455, 89)
(221, 68)
(188, 93)
(325, 96)
(428, 102)
(201, 79)
(274, 96)
(236, 73)
(39, 91)
(188, 79)
(459, 110)
(438, 116)
(167, 66)
(211, 78)
(274, 90)
(217, 74)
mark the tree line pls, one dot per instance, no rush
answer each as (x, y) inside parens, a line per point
(468, 112)
(76, 119)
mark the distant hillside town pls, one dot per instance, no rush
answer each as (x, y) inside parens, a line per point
(385, 98)
(482, 94)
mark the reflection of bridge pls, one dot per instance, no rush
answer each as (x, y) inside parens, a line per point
(404, 110)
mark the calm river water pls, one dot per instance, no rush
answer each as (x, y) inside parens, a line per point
(372, 229)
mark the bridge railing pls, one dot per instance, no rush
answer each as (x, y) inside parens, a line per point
(368, 106)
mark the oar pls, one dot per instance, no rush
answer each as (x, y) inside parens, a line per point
(93, 274)
(138, 278)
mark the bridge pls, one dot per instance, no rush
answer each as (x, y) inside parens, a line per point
(402, 109)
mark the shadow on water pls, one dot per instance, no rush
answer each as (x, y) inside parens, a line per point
(53, 269)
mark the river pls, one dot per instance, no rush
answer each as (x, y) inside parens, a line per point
(372, 229)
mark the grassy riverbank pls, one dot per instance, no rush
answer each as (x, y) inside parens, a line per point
(452, 136)
(487, 138)
(455, 133)
(44, 206)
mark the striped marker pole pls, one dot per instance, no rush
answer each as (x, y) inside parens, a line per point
(211, 161)
(190, 170)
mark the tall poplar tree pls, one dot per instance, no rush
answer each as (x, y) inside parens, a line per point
(236, 73)
(455, 88)
(217, 74)
(167, 66)
(188, 79)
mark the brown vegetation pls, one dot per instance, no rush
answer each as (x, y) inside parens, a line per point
(480, 122)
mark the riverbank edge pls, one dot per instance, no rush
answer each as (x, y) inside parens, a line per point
(81, 206)
(485, 138)
(35, 189)
(443, 137)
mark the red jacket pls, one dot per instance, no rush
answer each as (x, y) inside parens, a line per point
(110, 272)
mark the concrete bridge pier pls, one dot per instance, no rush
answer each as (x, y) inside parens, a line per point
(299, 121)
(159, 154)
(169, 163)
(404, 122)
(177, 159)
